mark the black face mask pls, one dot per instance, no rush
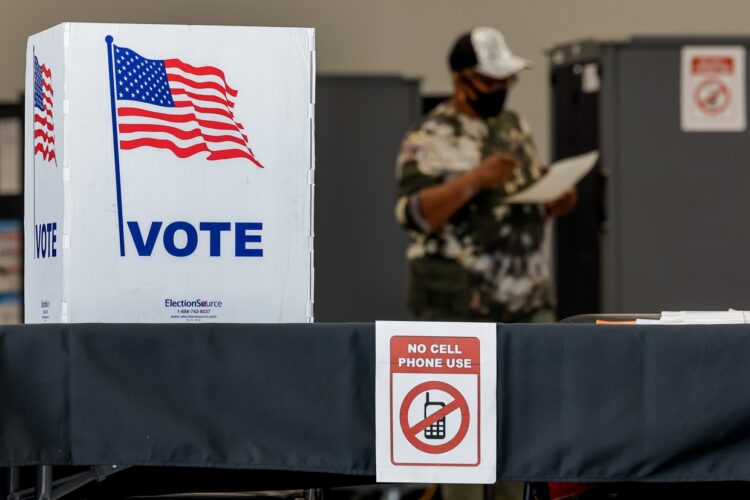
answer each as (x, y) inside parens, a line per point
(486, 104)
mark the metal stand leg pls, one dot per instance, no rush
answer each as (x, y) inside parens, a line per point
(11, 483)
(72, 483)
(43, 482)
(314, 494)
(489, 492)
(527, 494)
(535, 491)
(46, 489)
(14, 479)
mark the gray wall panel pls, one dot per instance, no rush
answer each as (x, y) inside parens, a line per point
(360, 266)
(681, 198)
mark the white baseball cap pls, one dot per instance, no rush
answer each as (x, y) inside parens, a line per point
(486, 51)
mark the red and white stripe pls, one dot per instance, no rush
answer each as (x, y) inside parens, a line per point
(201, 121)
(44, 126)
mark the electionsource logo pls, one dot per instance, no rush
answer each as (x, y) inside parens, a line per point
(192, 303)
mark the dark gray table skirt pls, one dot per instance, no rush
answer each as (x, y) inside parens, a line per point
(575, 402)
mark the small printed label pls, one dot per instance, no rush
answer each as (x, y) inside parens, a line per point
(45, 310)
(194, 310)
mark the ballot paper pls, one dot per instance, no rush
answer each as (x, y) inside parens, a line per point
(702, 317)
(560, 177)
(730, 317)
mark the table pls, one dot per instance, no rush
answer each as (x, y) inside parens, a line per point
(575, 402)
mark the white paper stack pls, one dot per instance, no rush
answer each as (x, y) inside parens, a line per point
(729, 317)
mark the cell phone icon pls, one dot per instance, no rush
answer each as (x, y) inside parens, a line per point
(437, 429)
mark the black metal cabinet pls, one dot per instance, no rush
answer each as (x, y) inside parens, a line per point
(575, 130)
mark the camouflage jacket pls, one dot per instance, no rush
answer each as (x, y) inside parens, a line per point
(487, 261)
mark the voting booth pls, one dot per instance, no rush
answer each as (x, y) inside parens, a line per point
(169, 174)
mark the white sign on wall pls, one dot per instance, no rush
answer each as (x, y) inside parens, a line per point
(713, 89)
(435, 402)
(168, 174)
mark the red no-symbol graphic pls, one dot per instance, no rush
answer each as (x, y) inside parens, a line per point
(712, 96)
(411, 431)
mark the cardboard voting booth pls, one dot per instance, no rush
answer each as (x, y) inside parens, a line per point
(169, 174)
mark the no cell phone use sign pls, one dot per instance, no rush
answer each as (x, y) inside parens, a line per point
(712, 89)
(435, 402)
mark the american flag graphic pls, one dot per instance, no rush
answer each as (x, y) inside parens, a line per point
(44, 127)
(170, 104)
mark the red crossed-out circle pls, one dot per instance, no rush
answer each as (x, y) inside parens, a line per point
(458, 404)
(712, 96)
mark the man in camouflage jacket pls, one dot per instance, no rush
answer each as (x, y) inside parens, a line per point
(471, 255)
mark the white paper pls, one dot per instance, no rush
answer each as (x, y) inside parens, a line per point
(730, 317)
(643, 321)
(702, 317)
(461, 446)
(712, 89)
(560, 177)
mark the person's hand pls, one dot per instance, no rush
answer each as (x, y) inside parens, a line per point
(563, 204)
(496, 169)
